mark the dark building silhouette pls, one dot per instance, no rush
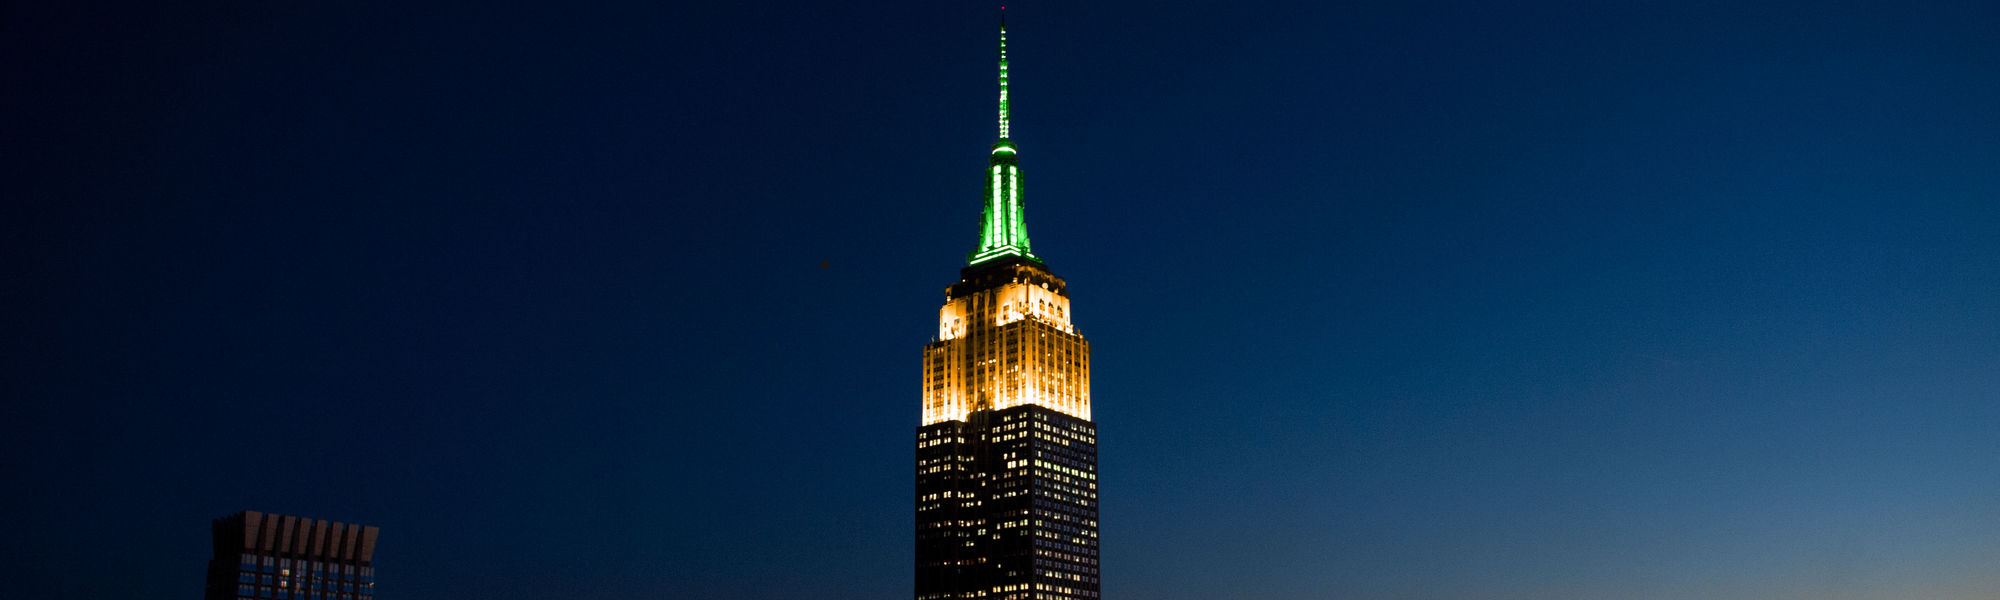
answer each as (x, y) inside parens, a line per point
(263, 556)
(1007, 453)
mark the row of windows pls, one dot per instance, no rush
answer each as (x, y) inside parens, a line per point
(1076, 456)
(1073, 536)
(245, 592)
(285, 566)
(1081, 559)
(1053, 574)
(938, 459)
(1060, 491)
(1067, 516)
(1066, 470)
(1063, 590)
(941, 435)
(304, 584)
(1070, 429)
(1080, 545)
(1086, 510)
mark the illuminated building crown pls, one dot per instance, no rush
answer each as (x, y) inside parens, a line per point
(1003, 228)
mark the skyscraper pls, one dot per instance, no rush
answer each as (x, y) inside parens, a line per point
(262, 556)
(1007, 453)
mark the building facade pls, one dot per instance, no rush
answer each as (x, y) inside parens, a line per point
(1006, 488)
(262, 556)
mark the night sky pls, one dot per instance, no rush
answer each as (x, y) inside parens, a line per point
(1430, 300)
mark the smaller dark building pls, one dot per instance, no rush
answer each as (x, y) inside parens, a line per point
(262, 556)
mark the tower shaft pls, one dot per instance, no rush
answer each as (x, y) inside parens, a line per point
(1006, 488)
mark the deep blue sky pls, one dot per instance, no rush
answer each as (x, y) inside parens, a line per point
(1660, 300)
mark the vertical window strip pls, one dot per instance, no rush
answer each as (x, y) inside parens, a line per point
(993, 212)
(1014, 206)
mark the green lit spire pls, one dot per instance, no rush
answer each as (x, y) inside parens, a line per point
(1003, 73)
(1003, 230)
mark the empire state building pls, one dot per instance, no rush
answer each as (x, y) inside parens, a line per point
(1007, 453)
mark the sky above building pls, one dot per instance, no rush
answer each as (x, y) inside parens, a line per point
(1638, 300)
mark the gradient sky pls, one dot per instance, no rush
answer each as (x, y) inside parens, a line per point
(1432, 300)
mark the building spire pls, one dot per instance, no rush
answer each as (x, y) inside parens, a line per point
(1003, 72)
(1003, 229)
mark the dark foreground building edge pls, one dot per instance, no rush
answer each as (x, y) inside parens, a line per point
(261, 556)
